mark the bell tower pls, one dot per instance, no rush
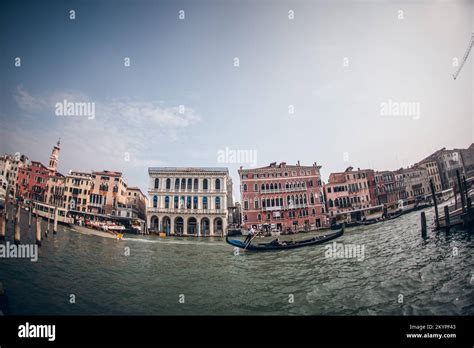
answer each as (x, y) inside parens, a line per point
(53, 159)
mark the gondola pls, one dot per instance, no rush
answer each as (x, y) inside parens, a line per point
(394, 216)
(271, 246)
(367, 222)
(347, 224)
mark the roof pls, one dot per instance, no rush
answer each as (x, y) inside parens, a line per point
(187, 169)
(135, 189)
(107, 172)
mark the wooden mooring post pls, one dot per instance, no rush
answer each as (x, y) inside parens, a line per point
(2, 224)
(55, 224)
(446, 218)
(38, 230)
(461, 191)
(17, 236)
(423, 225)
(433, 195)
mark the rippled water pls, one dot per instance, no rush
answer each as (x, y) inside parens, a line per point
(428, 274)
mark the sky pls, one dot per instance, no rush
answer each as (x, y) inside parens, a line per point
(313, 83)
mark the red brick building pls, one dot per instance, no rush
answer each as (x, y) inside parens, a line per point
(282, 196)
(32, 181)
(351, 193)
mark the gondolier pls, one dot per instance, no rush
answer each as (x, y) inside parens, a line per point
(250, 235)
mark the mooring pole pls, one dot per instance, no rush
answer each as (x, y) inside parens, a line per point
(55, 224)
(455, 197)
(466, 191)
(446, 218)
(38, 229)
(461, 191)
(17, 236)
(2, 224)
(423, 225)
(433, 194)
(29, 217)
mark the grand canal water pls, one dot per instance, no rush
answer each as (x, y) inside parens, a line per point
(433, 276)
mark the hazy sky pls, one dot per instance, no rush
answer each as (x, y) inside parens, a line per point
(335, 63)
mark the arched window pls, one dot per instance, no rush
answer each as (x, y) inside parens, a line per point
(255, 204)
(167, 201)
(190, 184)
(273, 202)
(279, 186)
(218, 184)
(263, 187)
(204, 202)
(157, 183)
(176, 202)
(218, 202)
(271, 186)
(176, 184)
(288, 200)
(312, 199)
(155, 201)
(267, 187)
(264, 204)
(245, 187)
(168, 184)
(259, 217)
(188, 202)
(195, 202)
(183, 184)
(204, 184)
(287, 186)
(196, 184)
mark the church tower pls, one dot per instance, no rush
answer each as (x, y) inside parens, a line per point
(53, 159)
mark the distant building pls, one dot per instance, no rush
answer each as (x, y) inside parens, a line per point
(135, 206)
(189, 200)
(430, 164)
(413, 183)
(32, 181)
(467, 156)
(107, 192)
(9, 167)
(55, 189)
(282, 196)
(351, 191)
(77, 191)
(386, 189)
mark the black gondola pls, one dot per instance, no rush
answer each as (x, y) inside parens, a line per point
(367, 222)
(288, 245)
(347, 224)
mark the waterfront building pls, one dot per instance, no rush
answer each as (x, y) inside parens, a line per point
(467, 156)
(54, 189)
(32, 181)
(9, 167)
(386, 189)
(136, 203)
(430, 164)
(189, 200)
(77, 191)
(107, 192)
(351, 192)
(282, 197)
(413, 183)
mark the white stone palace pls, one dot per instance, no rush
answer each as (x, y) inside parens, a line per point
(189, 200)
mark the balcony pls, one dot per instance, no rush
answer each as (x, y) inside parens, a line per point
(187, 211)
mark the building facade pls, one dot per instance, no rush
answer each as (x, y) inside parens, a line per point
(282, 197)
(32, 181)
(107, 192)
(431, 166)
(189, 201)
(413, 183)
(351, 191)
(135, 206)
(9, 168)
(77, 191)
(386, 189)
(55, 189)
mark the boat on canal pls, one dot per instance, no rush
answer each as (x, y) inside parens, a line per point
(284, 245)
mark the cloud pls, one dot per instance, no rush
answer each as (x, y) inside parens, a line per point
(140, 130)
